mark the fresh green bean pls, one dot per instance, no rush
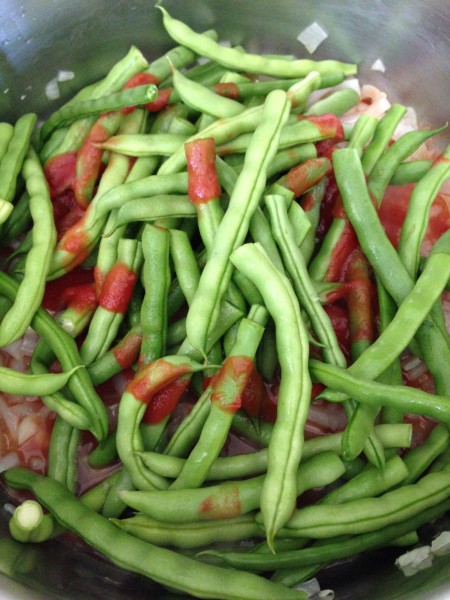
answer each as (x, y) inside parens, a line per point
(286, 442)
(31, 289)
(12, 161)
(164, 566)
(190, 535)
(331, 551)
(241, 61)
(233, 227)
(229, 499)
(416, 221)
(104, 104)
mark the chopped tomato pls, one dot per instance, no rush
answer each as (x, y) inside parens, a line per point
(393, 210)
(56, 291)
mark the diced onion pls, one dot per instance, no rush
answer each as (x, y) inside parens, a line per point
(9, 461)
(378, 65)
(27, 429)
(312, 36)
(310, 587)
(441, 544)
(52, 89)
(65, 75)
(415, 560)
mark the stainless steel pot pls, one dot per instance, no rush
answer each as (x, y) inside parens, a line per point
(39, 37)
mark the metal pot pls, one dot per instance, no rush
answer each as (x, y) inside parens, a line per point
(39, 37)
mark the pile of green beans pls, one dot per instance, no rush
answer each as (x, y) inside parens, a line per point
(198, 214)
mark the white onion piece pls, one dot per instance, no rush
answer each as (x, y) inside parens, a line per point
(8, 416)
(378, 65)
(65, 75)
(326, 595)
(373, 102)
(312, 36)
(9, 461)
(27, 428)
(310, 587)
(415, 560)
(441, 544)
(52, 89)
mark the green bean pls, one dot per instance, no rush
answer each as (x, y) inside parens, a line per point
(296, 267)
(144, 144)
(419, 459)
(69, 411)
(337, 103)
(190, 428)
(31, 290)
(300, 132)
(18, 221)
(407, 399)
(190, 535)
(13, 159)
(221, 131)
(233, 227)
(104, 104)
(331, 551)
(241, 61)
(113, 506)
(62, 453)
(386, 166)
(362, 132)
(185, 263)
(132, 407)
(110, 313)
(286, 442)
(230, 499)
(387, 264)
(311, 204)
(417, 217)
(151, 209)
(14, 382)
(104, 453)
(121, 356)
(6, 133)
(370, 514)
(29, 523)
(410, 172)
(227, 389)
(226, 467)
(162, 565)
(370, 482)
(132, 63)
(382, 136)
(204, 100)
(155, 246)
